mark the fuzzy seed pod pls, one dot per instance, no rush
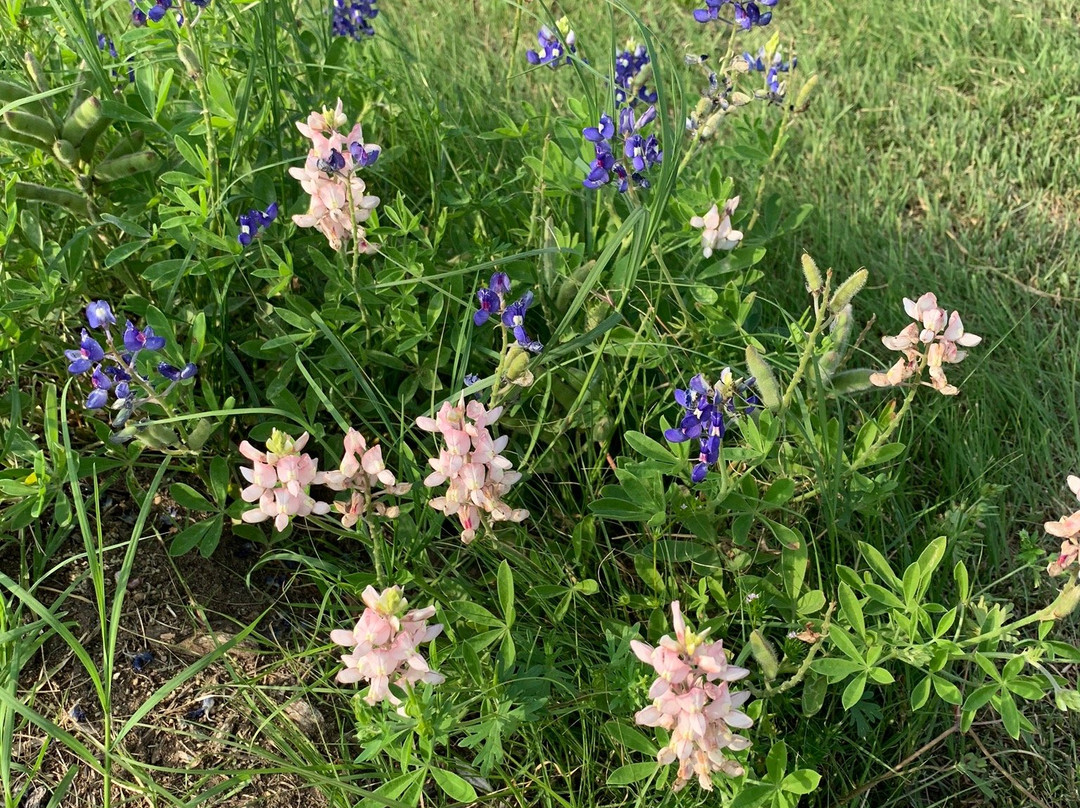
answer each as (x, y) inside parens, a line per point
(812, 274)
(766, 380)
(125, 166)
(848, 289)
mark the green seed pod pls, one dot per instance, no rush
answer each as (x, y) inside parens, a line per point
(128, 145)
(125, 166)
(65, 153)
(812, 274)
(517, 363)
(766, 379)
(848, 289)
(31, 125)
(190, 60)
(90, 141)
(1066, 602)
(852, 381)
(711, 123)
(764, 655)
(840, 331)
(10, 91)
(804, 92)
(82, 120)
(7, 133)
(52, 196)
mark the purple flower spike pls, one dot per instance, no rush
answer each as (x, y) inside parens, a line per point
(136, 340)
(88, 353)
(99, 314)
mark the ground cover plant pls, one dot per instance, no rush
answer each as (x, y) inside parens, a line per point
(447, 406)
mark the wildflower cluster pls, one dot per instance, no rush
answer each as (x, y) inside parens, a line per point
(339, 204)
(385, 644)
(717, 233)
(931, 341)
(692, 701)
(361, 473)
(772, 66)
(631, 75)
(353, 18)
(745, 15)
(638, 152)
(709, 410)
(158, 10)
(553, 51)
(510, 316)
(255, 220)
(1068, 528)
(115, 371)
(279, 480)
(476, 475)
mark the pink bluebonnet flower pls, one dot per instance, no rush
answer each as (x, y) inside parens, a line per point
(718, 233)
(362, 471)
(932, 341)
(339, 200)
(476, 475)
(385, 644)
(692, 700)
(279, 480)
(1067, 528)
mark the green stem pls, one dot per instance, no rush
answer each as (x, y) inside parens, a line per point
(820, 319)
(804, 668)
(376, 552)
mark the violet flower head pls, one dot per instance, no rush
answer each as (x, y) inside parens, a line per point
(99, 314)
(175, 374)
(629, 84)
(550, 48)
(138, 16)
(255, 220)
(352, 18)
(136, 340)
(708, 412)
(513, 317)
(99, 396)
(86, 355)
(641, 152)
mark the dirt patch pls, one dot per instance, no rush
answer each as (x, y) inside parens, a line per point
(218, 729)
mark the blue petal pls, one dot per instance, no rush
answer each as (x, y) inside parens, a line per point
(675, 436)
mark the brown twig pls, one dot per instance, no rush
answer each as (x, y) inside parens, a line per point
(1012, 780)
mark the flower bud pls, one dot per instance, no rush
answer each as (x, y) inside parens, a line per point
(190, 60)
(766, 380)
(764, 655)
(848, 289)
(812, 274)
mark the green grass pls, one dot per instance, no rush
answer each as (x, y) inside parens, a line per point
(936, 151)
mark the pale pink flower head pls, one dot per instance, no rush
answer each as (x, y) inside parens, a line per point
(692, 700)
(477, 476)
(279, 481)
(384, 643)
(1074, 485)
(717, 233)
(930, 343)
(367, 479)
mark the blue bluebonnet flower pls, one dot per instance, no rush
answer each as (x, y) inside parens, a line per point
(707, 413)
(746, 15)
(353, 18)
(493, 304)
(78, 714)
(628, 64)
(141, 660)
(104, 42)
(642, 152)
(551, 49)
(175, 374)
(771, 68)
(471, 379)
(99, 313)
(101, 383)
(363, 155)
(138, 16)
(114, 369)
(255, 220)
(86, 355)
(136, 340)
(157, 11)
